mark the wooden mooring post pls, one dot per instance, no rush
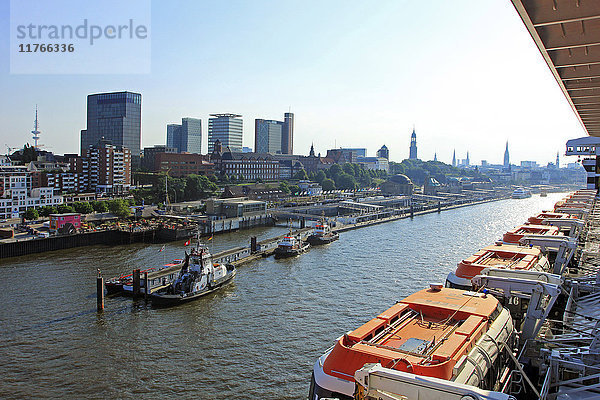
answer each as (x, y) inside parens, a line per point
(146, 286)
(100, 292)
(136, 283)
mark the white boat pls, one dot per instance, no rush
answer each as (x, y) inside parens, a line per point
(199, 276)
(521, 193)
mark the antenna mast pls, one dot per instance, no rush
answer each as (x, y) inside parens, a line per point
(35, 131)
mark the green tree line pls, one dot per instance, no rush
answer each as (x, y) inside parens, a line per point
(191, 187)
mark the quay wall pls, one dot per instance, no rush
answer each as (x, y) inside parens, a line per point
(119, 237)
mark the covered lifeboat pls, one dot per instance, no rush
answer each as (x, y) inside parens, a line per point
(513, 236)
(539, 218)
(444, 333)
(500, 255)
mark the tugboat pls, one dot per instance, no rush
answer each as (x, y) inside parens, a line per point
(198, 277)
(290, 246)
(450, 334)
(322, 234)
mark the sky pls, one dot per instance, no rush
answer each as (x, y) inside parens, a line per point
(466, 74)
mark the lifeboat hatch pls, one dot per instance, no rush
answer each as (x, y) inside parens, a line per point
(414, 345)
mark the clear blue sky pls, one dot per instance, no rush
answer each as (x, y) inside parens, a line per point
(355, 73)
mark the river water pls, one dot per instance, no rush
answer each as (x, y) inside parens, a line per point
(257, 338)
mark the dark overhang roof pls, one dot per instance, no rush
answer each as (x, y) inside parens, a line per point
(567, 33)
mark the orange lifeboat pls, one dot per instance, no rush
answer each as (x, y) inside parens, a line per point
(513, 236)
(500, 255)
(537, 220)
(430, 333)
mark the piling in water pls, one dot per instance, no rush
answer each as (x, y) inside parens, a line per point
(100, 292)
(136, 283)
(146, 286)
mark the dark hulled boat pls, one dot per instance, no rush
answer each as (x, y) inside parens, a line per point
(198, 277)
(290, 246)
(322, 234)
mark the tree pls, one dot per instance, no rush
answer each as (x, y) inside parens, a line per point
(29, 154)
(47, 210)
(83, 207)
(198, 187)
(100, 206)
(31, 214)
(328, 184)
(119, 208)
(64, 209)
(346, 182)
(284, 187)
(335, 170)
(347, 167)
(294, 189)
(320, 176)
(301, 175)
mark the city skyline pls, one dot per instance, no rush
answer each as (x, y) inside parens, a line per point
(341, 98)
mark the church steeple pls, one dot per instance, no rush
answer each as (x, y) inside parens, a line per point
(312, 150)
(412, 155)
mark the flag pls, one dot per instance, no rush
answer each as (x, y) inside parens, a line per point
(187, 243)
(210, 238)
(162, 248)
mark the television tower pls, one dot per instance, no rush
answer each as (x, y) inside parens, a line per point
(35, 131)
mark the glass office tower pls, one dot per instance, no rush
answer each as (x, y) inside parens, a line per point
(267, 136)
(116, 117)
(187, 137)
(227, 128)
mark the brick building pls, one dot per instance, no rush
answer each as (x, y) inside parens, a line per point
(183, 164)
(248, 166)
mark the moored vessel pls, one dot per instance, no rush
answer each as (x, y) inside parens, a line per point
(322, 234)
(198, 277)
(444, 333)
(290, 246)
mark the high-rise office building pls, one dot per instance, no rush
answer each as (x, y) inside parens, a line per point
(116, 117)
(265, 140)
(506, 157)
(228, 129)
(413, 146)
(173, 133)
(187, 137)
(268, 136)
(287, 134)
